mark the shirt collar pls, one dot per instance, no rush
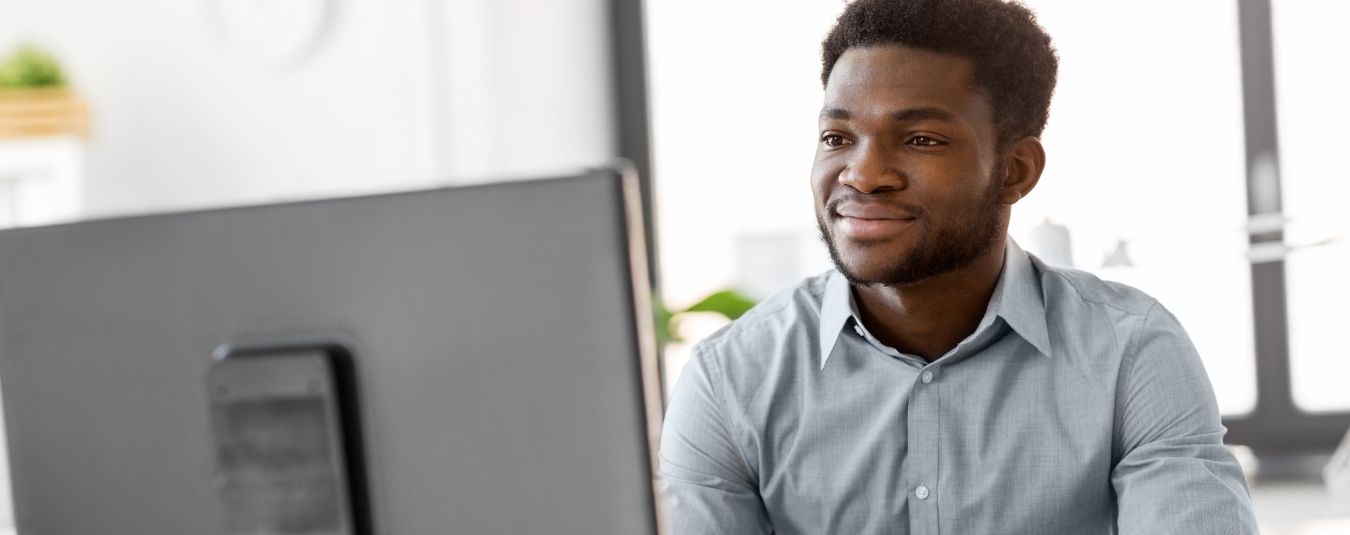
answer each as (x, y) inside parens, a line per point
(836, 307)
(1017, 298)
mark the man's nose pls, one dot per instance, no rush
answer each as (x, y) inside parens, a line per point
(873, 168)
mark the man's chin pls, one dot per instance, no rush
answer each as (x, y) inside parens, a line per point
(860, 271)
(868, 261)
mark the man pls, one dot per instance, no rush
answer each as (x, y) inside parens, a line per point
(941, 380)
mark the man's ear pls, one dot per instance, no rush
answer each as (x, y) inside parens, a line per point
(1022, 166)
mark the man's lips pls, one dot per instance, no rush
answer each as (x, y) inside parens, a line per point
(858, 210)
(871, 229)
(865, 221)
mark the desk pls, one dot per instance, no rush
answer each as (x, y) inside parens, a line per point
(1336, 526)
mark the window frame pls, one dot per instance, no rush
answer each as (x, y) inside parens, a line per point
(1276, 429)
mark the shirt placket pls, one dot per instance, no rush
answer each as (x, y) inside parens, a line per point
(921, 463)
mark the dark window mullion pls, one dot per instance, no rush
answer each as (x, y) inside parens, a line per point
(1276, 427)
(632, 127)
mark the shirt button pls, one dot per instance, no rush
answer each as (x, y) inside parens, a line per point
(921, 492)
(927, 377)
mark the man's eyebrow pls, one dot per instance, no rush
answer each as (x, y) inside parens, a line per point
(834, 113)
(905, 115)
(921, 114)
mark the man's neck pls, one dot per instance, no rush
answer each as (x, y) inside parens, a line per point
(928, 318)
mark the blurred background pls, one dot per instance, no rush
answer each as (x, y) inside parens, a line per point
(1193, 152)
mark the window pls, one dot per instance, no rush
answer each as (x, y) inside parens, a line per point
(1145, 168)
(733, 133)
(1313, 111)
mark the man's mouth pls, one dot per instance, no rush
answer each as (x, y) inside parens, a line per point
(869, 229)
(867, 221)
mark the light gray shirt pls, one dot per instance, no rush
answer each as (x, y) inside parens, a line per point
(1078, 406)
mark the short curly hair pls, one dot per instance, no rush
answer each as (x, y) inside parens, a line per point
(1014, 61)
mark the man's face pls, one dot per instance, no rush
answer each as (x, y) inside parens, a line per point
(907, 178)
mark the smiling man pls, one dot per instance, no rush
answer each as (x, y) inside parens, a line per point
(940, 379)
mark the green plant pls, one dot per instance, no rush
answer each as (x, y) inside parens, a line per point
(728, 303)
(29, 67)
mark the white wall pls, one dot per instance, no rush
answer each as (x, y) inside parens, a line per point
(529, 87)
(398, 94)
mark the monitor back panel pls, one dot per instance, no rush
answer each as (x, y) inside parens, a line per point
(492, 331)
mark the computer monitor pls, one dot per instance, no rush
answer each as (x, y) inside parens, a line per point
(463, 360)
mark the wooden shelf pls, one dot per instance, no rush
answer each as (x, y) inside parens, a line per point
(28, 113)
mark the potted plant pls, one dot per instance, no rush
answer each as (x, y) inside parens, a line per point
(35, 100)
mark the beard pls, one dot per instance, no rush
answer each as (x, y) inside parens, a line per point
(937, 251)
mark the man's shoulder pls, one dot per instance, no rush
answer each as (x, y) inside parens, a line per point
(1100, 324)
(1074, 289)
(772, 325)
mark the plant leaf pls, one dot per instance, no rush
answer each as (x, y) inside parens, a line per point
(664, 320)
(30, 66)
(729, 303)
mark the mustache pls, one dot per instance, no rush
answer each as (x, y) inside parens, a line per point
(832, 205)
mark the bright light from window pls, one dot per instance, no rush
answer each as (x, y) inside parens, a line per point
(1312, 109)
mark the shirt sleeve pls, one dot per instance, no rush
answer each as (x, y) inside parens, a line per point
(1173, 474)
(707, 485)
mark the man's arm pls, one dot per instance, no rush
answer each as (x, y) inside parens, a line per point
(1174, 475)
(709, 488)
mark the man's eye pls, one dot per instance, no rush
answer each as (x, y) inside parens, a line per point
(924, 141)
(833, 140)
